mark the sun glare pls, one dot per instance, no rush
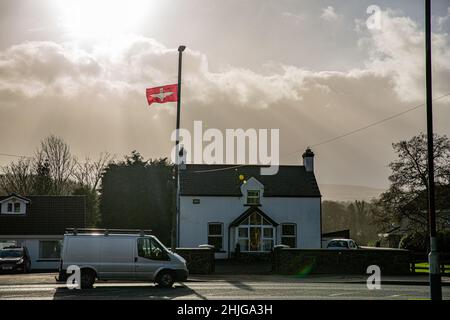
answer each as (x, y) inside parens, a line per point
(101, 18)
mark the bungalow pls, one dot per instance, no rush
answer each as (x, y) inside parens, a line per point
(39, 223)
(235, 208)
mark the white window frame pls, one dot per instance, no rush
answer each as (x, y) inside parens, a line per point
(9, 208)
(262, 226)
(256, 199)
(294, 236)
(216, 235)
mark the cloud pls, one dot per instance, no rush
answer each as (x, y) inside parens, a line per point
(296, 18)
(396, 51)
(131, 63)
(328, 14)
(95, 98)
(442, 21)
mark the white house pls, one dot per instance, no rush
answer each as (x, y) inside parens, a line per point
(231, 207)
(39, 223)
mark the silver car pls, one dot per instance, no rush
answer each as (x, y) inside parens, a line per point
(342, 244)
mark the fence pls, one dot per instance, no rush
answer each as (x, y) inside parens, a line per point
(419, 263)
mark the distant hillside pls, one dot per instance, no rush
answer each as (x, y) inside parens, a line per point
(338, 192)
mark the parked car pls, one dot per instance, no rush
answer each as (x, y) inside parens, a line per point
(15, 259)
(120, 255)
(342, 244)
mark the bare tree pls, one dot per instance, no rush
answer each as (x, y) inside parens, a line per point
(89, 173)
(18, 177)
(61, 163)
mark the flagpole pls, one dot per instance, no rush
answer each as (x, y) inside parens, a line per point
(176, 218)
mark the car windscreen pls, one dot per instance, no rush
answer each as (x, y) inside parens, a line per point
(338, 244)
(11, 253)
(342, 244)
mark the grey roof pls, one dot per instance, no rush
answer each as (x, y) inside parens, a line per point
(46, 215)
(220, 180)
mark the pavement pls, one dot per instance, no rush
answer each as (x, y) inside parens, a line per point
(249, 287)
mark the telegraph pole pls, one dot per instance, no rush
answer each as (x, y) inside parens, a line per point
(433, 257)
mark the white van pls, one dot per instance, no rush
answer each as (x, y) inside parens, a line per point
(120, 255)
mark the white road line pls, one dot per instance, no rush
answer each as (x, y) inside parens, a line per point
(338, 294)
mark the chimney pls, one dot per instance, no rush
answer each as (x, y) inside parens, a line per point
(308, 160)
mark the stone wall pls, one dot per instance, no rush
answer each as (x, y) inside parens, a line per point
(198, 260)
(305, 261)
(252, 257)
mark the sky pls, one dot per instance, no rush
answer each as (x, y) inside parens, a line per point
(313, 69)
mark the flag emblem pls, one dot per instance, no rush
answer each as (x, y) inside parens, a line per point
(168, 93)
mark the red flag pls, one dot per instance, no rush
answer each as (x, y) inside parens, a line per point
(162, 94)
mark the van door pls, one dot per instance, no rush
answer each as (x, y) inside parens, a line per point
(117, 258)
(150, 257)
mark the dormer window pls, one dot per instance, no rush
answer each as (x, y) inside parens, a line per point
(14, 205)
(253, 197)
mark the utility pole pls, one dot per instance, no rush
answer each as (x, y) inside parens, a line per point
(433, 257)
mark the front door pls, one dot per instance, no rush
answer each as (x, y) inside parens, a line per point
(255, 234)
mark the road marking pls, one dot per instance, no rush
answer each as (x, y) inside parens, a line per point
(338, 294)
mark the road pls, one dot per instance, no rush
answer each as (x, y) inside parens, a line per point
(43, 286)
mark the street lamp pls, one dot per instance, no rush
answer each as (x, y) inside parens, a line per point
(433, 257)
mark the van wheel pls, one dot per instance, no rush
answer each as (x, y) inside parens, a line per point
(165, 279)
(87, 279)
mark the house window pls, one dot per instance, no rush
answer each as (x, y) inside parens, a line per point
(253, 197)
(50, 249)
(289, 234)
(12, 207)
(215, 235)
(255, 234)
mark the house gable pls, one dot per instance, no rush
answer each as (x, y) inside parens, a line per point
(252, 188)
(250, 211)
(14, 205)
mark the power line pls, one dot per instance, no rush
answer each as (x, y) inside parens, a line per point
(14, 155)
(342, 135)
(313, 145)
(372, 124)
(221, 169)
